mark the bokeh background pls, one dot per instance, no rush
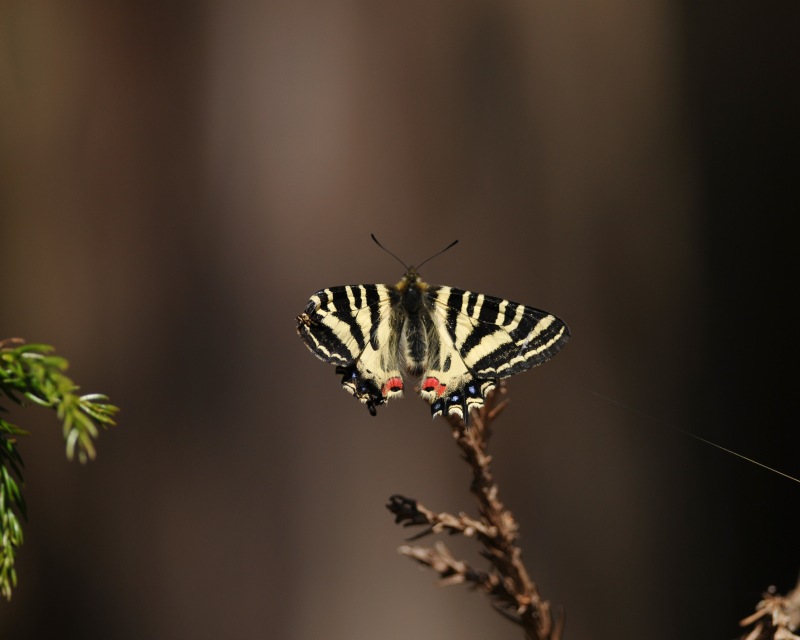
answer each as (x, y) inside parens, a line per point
(177, 178)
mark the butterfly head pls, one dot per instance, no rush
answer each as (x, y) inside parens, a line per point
(411, 281)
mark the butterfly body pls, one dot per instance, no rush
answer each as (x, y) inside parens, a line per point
(458, 343)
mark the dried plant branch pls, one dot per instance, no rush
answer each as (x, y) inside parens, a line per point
(513, 592)
(776, 617)
(451, 570)
(409, 512)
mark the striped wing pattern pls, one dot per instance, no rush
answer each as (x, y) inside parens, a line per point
(338, 322)
(354, 327)
(461, 342)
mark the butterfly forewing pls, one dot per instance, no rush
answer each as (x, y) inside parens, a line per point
(338, 322)
(497, 337)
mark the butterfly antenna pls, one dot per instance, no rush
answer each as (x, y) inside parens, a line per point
(389, 252)
(449, 246)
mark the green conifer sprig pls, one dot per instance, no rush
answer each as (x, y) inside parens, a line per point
(30, 373)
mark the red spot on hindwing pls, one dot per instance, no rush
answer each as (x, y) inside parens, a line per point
(392, 385)
(433, 384)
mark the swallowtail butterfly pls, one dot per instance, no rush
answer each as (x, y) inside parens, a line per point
(458, 343)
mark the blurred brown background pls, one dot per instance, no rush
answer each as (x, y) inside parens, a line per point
(177, 178)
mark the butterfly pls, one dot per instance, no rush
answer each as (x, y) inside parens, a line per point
(458, 343)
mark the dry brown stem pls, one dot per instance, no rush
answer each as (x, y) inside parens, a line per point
(513, 592)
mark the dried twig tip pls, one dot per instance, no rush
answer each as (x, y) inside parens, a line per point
(776, 617)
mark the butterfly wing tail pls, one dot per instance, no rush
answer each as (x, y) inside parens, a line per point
(368, 389)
